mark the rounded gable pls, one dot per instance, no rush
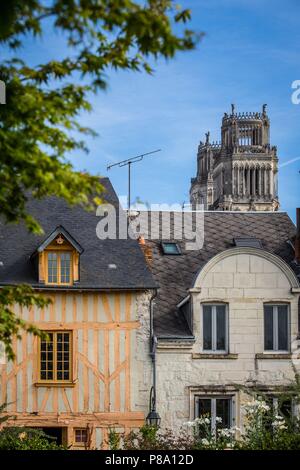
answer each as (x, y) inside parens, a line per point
(246, 267)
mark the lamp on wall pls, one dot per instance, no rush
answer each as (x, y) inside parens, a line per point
(153, 419)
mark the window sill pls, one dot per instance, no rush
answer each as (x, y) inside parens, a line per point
(55, 384)
(214, 356)
(273, 356)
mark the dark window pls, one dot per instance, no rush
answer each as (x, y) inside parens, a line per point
(248, 242)
(217, 409)
(81, 435)
(276, 337)
(214, 328)
(57, 435)
(207, 328)
(282, 406)
(170, 248)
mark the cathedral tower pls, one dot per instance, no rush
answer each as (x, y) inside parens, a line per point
(240, 172)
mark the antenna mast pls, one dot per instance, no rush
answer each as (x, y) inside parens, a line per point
(129, 162)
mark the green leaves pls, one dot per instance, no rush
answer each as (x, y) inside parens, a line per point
(39, 125)
(11, 324)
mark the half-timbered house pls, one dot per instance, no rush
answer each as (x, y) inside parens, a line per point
(93, 371)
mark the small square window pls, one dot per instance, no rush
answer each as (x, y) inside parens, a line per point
(170, 248)
(81, 436)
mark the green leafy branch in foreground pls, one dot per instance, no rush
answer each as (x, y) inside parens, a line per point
(40, 123)
(11, 325)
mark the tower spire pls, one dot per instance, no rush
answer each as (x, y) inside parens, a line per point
(240, 173)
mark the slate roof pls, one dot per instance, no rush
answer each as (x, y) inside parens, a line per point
(176, 274)
(17, 247)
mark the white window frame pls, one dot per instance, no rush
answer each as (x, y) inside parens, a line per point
(214, 329)
(213, 408)
(275, 329)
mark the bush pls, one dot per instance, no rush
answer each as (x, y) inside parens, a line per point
(265, 429)
(20, 438)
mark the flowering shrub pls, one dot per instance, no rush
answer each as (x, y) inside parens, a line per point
(267, 429)
(264, 429)
(206, 437)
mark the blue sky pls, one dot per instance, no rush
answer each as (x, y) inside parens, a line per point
(249, 56)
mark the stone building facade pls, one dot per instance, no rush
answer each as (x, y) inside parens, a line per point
(244, 281)
(226, 316)
(240, 171)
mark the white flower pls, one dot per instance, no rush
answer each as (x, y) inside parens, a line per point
(279, 424)
(227, 432)
(190, 424)
(229, 445)
(256, 406)
(202, 420)
(218, 419)
(205, 442)
(279, 418)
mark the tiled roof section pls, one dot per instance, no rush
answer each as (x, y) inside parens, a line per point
(17, 246)
(176, 274)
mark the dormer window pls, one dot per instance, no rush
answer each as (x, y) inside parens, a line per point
(59, 267)
(59, 259)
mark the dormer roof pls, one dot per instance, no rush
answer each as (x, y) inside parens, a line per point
(60, 230)
(105, 264)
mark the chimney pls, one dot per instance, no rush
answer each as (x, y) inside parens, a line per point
(297, 241)
(146, 250)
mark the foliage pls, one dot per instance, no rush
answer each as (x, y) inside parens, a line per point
(12, 325)
(268, 429)
(265, 429)
(39, 124)
(20, 438)
(113, 439)
(4, 417)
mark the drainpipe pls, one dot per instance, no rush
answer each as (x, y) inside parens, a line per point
(153, 418)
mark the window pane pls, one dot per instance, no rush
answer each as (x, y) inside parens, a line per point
(221, 327)
(65, 267)
(207, 328)
(80, 435)
(268, 327)
(52, 267)
(223, 412)
(204, 407)
(63, 356)
(285, 408)
(170, 248)
(46, 358)
(282, 327)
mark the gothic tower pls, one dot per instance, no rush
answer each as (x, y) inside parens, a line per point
(240, 172)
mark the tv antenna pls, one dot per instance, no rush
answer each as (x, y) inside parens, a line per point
(129, 162)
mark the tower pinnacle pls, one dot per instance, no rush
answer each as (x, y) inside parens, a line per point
(239, 172)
